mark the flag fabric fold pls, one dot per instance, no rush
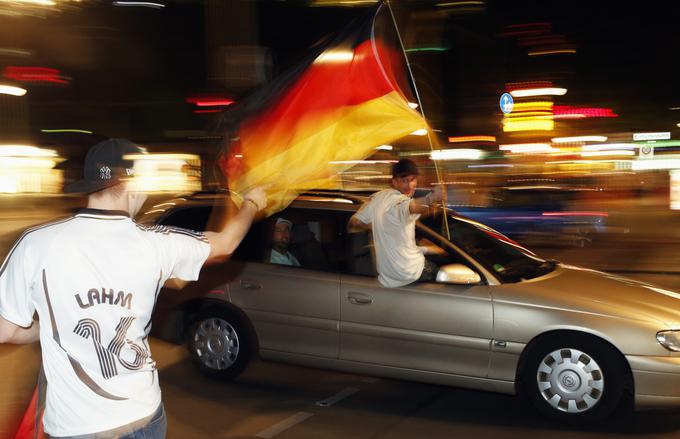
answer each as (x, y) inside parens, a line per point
(299, 131)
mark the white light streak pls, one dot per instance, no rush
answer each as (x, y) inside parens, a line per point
(141, 4)
(608, 146)
(579, 139)
(457, 154)
(647, 164)
(335, 56)
(606, 153)
(11, 90)
(31, 2)
(547, 91)
(527, 147)
(14, 52)
(420, 132)
(385, 148)
(25, 151)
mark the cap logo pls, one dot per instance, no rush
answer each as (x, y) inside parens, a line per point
(105, 173)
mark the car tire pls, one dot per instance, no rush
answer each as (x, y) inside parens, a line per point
(571, 378)
(220, 343)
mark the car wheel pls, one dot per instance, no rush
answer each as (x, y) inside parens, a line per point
(574, 378)
(220, 344)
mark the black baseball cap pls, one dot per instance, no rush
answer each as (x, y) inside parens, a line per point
(403, 168)
(105, 166)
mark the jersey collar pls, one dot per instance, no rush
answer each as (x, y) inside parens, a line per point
(108, 214)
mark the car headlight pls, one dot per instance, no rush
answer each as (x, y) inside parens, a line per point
(669, 339)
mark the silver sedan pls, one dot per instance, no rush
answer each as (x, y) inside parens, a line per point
(576, 342)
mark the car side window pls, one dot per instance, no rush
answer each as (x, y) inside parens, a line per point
(250, 249)
(300, 237)
(435, 253)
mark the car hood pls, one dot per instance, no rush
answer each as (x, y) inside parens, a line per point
(585, 290)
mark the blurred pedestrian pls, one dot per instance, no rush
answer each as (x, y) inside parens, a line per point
(391, 214)
(92, 279)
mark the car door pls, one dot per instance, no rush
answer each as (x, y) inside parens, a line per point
(295, 309)
(423, 326)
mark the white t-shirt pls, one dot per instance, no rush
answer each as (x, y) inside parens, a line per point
(93, 280)
(398, 258)
(283, 259)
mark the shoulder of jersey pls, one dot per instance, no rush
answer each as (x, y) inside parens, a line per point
(167, 230)
(42, 228)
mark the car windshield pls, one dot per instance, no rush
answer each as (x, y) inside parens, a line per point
(500, 255)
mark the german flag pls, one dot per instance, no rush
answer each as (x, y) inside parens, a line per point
(348, 98)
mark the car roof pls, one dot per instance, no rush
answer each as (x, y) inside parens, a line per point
(328, 199)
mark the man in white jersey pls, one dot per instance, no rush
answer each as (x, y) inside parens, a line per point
(392, 214)
(93, 280)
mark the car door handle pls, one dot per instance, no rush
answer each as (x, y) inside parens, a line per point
(246, 285)
(359, 299)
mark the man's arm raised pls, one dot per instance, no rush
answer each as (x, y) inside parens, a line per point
(225, 242)
(422, 205)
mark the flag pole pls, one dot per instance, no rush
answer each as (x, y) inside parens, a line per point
(422, 111)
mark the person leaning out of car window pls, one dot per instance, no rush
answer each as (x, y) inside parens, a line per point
(391, 215)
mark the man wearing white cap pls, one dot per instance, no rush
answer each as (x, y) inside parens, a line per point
(280, 243)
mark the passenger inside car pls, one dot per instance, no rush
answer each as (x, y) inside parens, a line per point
(279, 253)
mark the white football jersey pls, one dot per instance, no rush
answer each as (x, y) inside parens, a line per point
(93, 279)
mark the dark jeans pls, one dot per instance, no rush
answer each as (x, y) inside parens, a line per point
(429, 273)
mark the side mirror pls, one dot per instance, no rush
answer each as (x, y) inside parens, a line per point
(457, 274)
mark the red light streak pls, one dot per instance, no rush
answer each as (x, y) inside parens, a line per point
(210, 101)
(511, 86)
(207, 111)
(568, 112)
(34, 74)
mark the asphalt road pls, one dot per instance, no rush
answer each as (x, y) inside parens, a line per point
(280, 401)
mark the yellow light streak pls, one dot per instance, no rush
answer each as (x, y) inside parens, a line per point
(460, 139)
(533, 106)
(551, 52)
(528, 124)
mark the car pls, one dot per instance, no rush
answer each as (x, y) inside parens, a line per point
(577, 343)
(537, 215)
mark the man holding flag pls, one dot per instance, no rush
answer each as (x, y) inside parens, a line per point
(93, 280)
(392, 214)
(299, 132)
